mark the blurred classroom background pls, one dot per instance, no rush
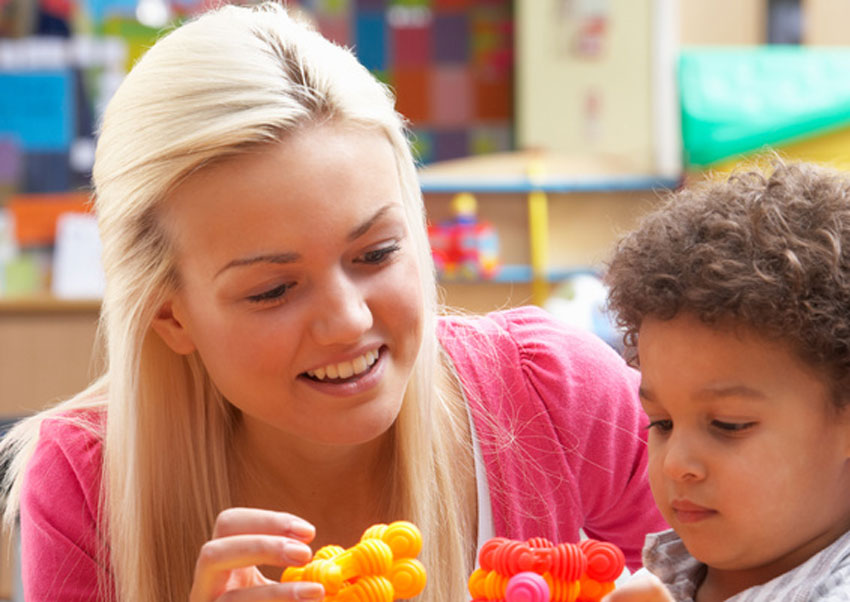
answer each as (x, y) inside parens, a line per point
(544, 129)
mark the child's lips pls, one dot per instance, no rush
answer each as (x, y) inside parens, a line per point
(689, 512)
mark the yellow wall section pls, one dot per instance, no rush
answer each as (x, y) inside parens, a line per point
(553, 83)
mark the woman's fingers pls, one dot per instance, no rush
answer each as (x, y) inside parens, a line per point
(219, 558)
(236, 551)
(241, 521)
(243, 539)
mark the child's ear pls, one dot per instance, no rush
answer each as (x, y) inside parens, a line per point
(171, 328)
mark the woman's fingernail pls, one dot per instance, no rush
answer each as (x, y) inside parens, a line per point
(306, 590)
(298, 552)
(302, 528)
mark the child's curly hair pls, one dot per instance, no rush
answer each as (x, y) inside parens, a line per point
(769, 250)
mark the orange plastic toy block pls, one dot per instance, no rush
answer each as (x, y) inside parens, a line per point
(539, 571)
(382, 567)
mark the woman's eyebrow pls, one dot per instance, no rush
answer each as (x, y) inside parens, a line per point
(267, 258)
(293, 257)
(364, 227)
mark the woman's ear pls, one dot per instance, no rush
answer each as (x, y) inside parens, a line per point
(172, 330)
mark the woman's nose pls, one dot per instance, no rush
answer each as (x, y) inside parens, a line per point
(341, 313)
(682, 459)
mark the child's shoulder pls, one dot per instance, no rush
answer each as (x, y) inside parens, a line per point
(825, 577)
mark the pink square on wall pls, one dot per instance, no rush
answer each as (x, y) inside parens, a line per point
(452, 101)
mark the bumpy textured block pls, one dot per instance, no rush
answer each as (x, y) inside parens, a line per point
(381, 568)
(569, 572)
(605, 561)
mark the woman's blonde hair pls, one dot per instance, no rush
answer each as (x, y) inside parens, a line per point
(231, 80)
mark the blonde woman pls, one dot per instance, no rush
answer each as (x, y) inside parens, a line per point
(277, 375)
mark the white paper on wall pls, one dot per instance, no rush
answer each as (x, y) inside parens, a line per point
(77, 270)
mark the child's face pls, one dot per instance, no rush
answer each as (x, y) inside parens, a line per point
(748, 460)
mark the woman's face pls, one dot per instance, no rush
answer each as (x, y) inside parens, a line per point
(301, 290)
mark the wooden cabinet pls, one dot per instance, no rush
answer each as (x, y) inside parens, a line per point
(47, 352)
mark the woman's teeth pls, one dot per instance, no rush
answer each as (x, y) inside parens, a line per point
(345, 369)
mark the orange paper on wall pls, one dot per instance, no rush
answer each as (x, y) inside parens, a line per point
(35, 215)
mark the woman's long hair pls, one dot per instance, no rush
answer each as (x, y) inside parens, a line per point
(232, 80)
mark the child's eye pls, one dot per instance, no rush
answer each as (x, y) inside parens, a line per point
(662, 426)
(732, 427)
(270, 295)
(378, 256)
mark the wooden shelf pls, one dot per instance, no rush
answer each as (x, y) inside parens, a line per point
(526, 171)
(47, 304)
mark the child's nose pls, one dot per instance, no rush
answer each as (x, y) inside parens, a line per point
(341, 313)
(682, 461)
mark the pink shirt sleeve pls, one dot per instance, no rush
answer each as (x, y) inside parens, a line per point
(560, 426)
(60, 547)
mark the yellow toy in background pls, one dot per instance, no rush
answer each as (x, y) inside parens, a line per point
(381, 568)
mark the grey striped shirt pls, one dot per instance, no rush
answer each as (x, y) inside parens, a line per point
(825, 577)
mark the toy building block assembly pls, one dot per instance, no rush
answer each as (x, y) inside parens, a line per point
(381, 568)
(465, 247)
(539, 571)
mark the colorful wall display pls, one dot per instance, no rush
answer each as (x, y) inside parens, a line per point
(449, 62)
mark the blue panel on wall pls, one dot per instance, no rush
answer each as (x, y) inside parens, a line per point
(99, 10)
(371, 40)
(37, 109)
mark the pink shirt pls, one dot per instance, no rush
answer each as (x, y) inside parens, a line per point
(560, 426)
(555, 411)
(59, 505)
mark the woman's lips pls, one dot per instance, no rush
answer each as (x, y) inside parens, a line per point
(688, 512)
(353, 385)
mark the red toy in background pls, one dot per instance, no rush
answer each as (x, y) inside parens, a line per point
(537, 570)
(464, 248)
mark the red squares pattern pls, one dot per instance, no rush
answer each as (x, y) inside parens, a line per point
(411, 46)
(448, 62)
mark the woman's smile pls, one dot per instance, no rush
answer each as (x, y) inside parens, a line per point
(363, 374)
(344, 370)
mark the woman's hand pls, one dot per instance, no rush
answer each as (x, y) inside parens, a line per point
(242, 540)
(643, 588)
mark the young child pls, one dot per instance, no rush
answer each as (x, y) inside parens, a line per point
(735, 299)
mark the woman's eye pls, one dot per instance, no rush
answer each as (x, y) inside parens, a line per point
(732, 427)
(662, 426)
(378, 256)
(271, 294)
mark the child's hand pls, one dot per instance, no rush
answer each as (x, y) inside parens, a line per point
(643, 588)
(244, 538)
